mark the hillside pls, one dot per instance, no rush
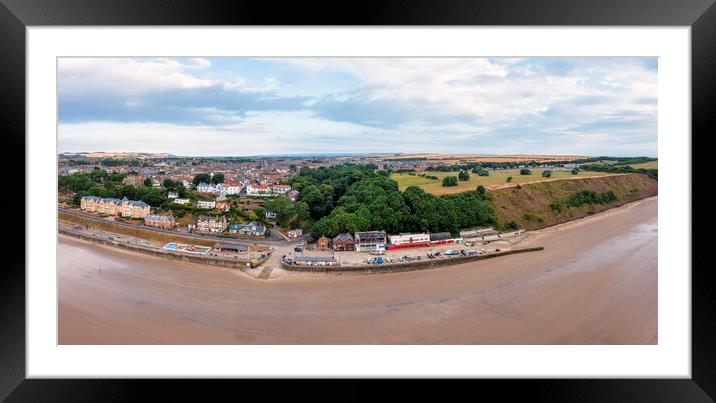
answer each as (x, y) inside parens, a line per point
(539, 205)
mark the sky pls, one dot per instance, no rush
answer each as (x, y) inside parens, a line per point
(239, 106)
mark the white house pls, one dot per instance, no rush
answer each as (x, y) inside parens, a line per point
(172, 195)
(232, 188)
(207, 204)
(181, 201)
(204, 187)
(280, 189)
(257, 189)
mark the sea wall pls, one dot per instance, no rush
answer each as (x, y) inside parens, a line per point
(238, 263)
(407, 266)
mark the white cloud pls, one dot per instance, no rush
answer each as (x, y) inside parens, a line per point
(128, 76)
(493, 90)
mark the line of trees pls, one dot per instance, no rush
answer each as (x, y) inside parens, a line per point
(612, 168)
(208, 178)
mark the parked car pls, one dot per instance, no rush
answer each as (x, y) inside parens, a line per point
(298, 249)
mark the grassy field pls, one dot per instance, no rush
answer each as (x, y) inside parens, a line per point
(495, 180)
(647, 165)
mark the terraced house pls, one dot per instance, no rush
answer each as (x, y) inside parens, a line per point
(115, 207)
(159, 221)
(212, 224)
(134, 208)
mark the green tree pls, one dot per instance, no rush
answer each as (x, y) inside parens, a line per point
(181, 191)
(525, 171)
(116, 177)
(98, 175)
(317, 201)
(198, 178)
(217, 178)
(260, 213)
(509, 179)
(169, 184)
(463, 176)
(450, 181)
(546, 173)
(147, 182)
(483, 172)
(481, 191)
(287, 211)
(575, 171)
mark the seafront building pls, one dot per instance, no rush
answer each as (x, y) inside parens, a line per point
(370, 241)
(405, 238)
(251, 228)
(160, 221)
(323, 243)
(111, 206)
(134, 208)
(211, 224)
(344, 242)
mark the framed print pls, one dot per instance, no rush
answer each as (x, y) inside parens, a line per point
(470, 192)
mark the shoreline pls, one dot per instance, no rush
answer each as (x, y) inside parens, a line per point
(593, 284)
(537, 234)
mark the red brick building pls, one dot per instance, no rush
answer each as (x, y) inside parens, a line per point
(159, 221)
(323, 243)
(344, 242)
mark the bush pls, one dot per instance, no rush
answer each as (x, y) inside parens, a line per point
(483, 172)
(509, 179)
(481, 191)
(546, 173)
(463, 176)
(512, 226)
(575, 171)
(450, 181)
(590, 197)
(525, 171)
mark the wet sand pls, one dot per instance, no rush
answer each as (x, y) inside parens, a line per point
(595, 283)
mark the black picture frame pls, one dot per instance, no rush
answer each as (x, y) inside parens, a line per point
(700, 15)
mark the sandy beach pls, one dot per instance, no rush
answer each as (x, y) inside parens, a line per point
(595, 283)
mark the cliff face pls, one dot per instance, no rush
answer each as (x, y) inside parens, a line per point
(539, 205)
